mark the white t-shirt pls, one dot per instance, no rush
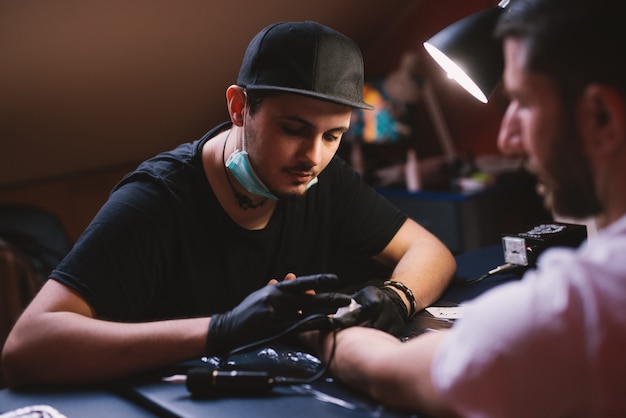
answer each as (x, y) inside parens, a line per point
(552, 344)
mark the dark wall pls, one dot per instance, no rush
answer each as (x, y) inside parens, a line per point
(63, 147)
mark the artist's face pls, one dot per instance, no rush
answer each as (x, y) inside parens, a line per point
(291, 139)
(538, 125)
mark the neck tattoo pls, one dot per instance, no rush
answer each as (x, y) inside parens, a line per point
(243, 201)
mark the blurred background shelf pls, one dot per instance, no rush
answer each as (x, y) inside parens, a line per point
(469, 220)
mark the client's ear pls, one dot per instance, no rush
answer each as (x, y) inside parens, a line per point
(602, 117)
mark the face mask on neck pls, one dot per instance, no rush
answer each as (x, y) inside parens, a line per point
(239, 165)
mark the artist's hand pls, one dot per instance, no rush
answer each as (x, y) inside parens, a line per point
(270, 310)
(385, 307)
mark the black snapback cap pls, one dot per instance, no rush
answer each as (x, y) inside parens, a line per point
(305, 58)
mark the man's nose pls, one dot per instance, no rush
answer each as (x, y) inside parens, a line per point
(312, 152)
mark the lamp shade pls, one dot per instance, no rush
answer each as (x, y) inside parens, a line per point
(469, 53)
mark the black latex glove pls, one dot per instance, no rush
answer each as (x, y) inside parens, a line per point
(358, 316)
(272, 309)
(386, 309)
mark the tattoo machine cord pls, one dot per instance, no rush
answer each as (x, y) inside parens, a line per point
(503, 268)
(207, 382)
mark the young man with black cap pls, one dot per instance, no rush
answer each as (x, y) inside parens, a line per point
(175, 265)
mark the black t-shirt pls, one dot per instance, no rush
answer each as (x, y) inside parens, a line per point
(163, 247)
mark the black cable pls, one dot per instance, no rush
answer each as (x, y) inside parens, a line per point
(269, 339)
(503, 268)
(288, 330)
(315, 376)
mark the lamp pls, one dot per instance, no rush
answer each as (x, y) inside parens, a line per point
(469, 53)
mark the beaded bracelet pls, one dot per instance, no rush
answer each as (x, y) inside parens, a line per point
(407, 292)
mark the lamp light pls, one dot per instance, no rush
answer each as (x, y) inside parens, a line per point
(469, 53)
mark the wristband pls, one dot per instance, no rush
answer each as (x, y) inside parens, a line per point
(407, 292)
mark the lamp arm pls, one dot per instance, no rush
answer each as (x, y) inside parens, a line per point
(443, 134)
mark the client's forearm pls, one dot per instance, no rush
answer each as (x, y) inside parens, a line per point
(394, 373)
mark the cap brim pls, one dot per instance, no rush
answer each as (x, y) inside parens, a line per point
(316, 95)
